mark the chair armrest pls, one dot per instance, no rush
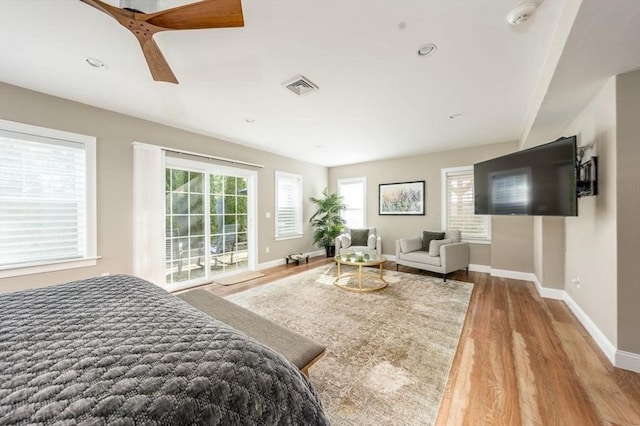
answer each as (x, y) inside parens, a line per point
(454, 256)
(338, 242)
(410, 244)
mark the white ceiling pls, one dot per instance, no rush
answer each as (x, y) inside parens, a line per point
(604, 41)
(377, 99)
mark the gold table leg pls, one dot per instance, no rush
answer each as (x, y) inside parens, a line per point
(360, 274)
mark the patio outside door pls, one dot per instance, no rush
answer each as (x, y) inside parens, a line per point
(208, 230)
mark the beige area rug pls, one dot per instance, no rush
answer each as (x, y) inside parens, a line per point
(388, 353)
(238, 278)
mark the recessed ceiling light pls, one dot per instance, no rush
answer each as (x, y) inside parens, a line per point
(521, 14)
(456, 115)
(96, 63)
(427, 49)
(249, 120)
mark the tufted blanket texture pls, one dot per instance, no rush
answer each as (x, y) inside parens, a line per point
(119, 350)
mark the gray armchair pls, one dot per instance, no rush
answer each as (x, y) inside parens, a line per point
(365, 240)
(443, 255)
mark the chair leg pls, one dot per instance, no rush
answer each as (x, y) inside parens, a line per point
(444, 277)
(467, 271)
(396, 267)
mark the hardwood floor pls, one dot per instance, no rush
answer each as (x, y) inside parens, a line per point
(521, 359)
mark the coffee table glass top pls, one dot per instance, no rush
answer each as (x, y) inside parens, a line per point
(361, 259)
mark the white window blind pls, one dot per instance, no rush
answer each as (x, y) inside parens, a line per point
(458, 205)
(353, 193)
(288, 205)
(46, 215)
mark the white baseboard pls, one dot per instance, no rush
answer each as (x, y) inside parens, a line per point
(515, 275)
(601, 340)
(317, 253)
(628, 361)
(549, 293)
(270, 264)
(480, 268)
(282, 261)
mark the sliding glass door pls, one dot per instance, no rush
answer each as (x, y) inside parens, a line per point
(208, 220)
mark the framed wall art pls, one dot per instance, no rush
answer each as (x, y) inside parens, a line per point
(402, 198)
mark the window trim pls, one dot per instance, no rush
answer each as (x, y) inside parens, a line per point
(444, 204)
(363, 180)
(300, 225)
(91, 256)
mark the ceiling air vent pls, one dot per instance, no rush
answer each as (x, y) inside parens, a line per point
(300, 85)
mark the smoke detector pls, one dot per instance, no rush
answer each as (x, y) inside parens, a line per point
(300, 85)
(521, 14)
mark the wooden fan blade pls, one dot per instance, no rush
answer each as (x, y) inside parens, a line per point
(200, 15)
(160, 69)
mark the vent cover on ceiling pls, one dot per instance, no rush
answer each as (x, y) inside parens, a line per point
(300, 85)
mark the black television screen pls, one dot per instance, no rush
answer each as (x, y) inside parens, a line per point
(539, 181)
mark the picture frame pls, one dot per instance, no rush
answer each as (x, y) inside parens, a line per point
(402, 198)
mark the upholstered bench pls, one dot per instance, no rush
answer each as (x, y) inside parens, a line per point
(301, 351)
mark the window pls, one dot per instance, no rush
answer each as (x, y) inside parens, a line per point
(288, 205)
(458, 205)
(47, 200)
(353, 191)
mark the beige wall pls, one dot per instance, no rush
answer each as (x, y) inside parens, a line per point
(591, 249)
(537, 248)
(115, 133)
(419, 167)
(480, 254)
(548, 251)
(628, 209)
(553, 248)
(512, 243)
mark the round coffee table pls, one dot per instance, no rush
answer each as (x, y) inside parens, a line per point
(374, 260)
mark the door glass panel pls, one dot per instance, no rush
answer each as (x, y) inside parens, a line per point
(206, 225)
(185, 231)
(228, 219)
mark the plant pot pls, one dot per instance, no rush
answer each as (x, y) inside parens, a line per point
(331, 251)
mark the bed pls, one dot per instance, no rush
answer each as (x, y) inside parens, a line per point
(120, 350)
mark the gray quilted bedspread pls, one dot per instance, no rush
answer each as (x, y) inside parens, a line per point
(119, 350)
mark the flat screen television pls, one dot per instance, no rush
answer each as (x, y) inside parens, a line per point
(539, 181)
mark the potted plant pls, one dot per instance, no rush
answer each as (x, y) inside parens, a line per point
(327, 221)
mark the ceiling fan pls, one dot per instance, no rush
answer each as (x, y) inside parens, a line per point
(200, 15)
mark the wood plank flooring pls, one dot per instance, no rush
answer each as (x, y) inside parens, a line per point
(521, 359)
